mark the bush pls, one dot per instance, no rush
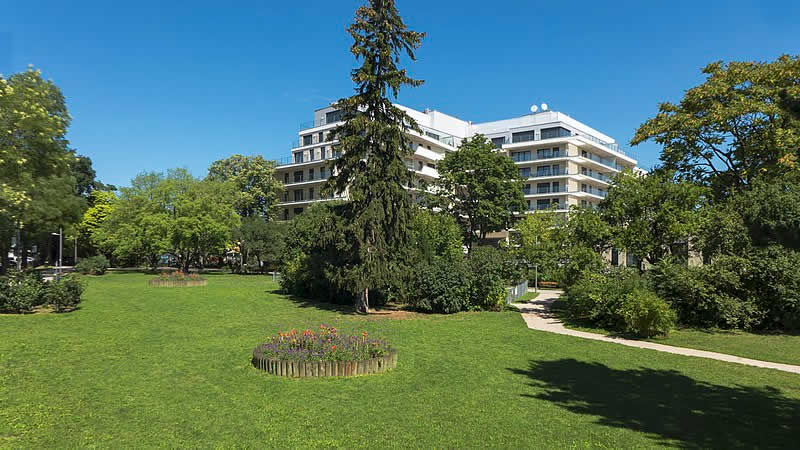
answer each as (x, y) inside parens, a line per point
(442, 286)
(93, 265)
(710, 296)
(646, 314)
(491, 270)
(599, 296)
(64, 294)
(20, 292)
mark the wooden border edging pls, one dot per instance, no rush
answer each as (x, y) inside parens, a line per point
(308, 369)
(177, 283)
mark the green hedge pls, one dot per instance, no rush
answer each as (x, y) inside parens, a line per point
(21, 292)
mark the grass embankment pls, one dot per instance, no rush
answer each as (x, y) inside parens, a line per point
(146, 367)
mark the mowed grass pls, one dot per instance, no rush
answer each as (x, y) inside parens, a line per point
(767, 346)
(145, 367)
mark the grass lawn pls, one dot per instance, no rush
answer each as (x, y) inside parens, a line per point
(145, 367)
(775, 347)
(527, 297)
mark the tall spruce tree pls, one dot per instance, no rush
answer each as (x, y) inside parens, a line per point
(373, 145)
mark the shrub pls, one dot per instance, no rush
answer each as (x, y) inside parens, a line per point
(442, 286)
(646, 314)
(490, 271)
(709, 296)
(63, 294)
(599, 296)
(20, 292)
(93, 265)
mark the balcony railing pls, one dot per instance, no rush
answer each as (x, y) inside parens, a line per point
(306, 180)
(289, 160)
(537, 207)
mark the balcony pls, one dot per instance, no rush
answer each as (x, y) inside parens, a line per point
(290, 160)
(306, 180)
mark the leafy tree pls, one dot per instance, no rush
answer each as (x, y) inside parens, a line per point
(254, 179)
(734, 127)
(538, 242)
(480, 187)
(261, 242)
(176, 213)
(34, 157)
(652, 214)
(435, 236)
(103, 203)
(374, 145)
(86, 181)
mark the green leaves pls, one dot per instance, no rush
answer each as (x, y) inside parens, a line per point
(739, 124)
(256, 186)
(481, 186)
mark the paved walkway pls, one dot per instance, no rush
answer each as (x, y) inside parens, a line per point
(537, 316)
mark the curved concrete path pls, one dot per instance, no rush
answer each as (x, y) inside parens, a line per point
(537, 316)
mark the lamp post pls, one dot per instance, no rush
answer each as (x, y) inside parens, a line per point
(60, 235)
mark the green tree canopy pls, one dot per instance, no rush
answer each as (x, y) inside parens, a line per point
(253, 177)
(734, 127)
(480, 187)
(653, 215)
(177, 214)
(374, 145)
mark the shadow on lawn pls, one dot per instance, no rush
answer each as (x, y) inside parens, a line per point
(308, 303)
(669, 405)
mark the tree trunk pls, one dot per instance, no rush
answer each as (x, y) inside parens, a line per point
(362, 302)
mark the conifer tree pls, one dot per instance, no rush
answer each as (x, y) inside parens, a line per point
(373, 146)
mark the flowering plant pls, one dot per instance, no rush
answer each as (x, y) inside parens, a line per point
(178, 276)
(324, 344)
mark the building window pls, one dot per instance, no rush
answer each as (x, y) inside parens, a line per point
(614, 257)
(542, 204)
(584, 203)
(310, 174)
(298, 211)
(584, 188)
(543, 171)
(308, 139)
(521, 156)
(333, 116)
(298, 176)
(523, 136)
(543, 188)
(555, 186)
(527, 191)
(286, 178)
(549, 133)
(322, 175)
(298, 157)
(544, 153)
(525, 172)
(556, 152)
(557, 169)
(498, 142)
(285, 214)
(298, 195)
(311, 193)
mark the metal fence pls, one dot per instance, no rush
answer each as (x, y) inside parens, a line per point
(515, 292)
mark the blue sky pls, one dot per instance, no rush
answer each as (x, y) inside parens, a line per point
(151, 86)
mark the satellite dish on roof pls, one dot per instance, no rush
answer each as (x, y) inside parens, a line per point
(534, 108)
(544, 106)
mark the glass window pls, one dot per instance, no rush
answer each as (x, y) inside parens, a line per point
(307, 139)
(525, 172)
(522, 136)
(544, 153)
(298, 176)
(498, 142)
(555, 186)
(543, 188)
(542, 204)
(557, 169)
(543, 171)
(554, 132)
(333, 116)
(311, 193)
(298, 157)
(298, 195)
(310, 174)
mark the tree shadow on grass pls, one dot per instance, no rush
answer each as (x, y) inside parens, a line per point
(317, 304)
(669, 406)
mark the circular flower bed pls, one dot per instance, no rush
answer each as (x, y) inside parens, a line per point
(178, 279)
(324, 353)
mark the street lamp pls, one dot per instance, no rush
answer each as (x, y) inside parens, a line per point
(60, 235)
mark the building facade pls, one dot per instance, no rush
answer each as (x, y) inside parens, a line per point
(563, 161)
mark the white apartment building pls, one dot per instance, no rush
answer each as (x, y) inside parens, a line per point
(563, 161)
